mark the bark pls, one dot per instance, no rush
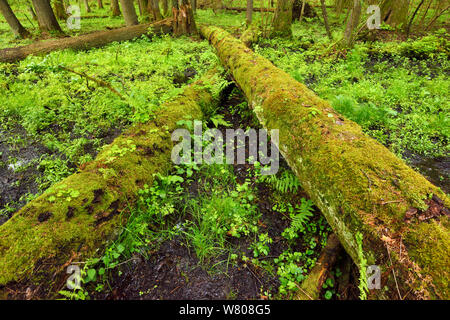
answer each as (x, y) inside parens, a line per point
(86, 5)
(383, 212)
(83, 42)
(352, 23)
(153, 9)
(311, 287)
(60, 12)
(325, 19)
(183, 18)
(16, 27)
(282, 19)
(129, 12)
(408, 28)
(53, 231)
(100, 4)
(395, 12)
(249, 12)
(115, 9)
(46, 18)
(32, 13)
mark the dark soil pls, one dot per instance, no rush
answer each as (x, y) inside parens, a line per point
(19, 167)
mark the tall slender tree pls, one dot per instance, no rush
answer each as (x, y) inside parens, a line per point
(46, 18)
(60, 12)
(100, 4)
(352, 22)
(325, 19)
(86, 4)
(129, 12)
(115, 9)
(249, 13)
(17, 28)
(153, 9)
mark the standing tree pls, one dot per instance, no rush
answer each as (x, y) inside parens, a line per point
(60, 12)
(46, 18)
(282, 19)
(352, 23)
(129, 12)
(325, 19)
(153, 8)
(86, 4)
(394, 12)
(12, 20)
(100, 4)
(165, 7)
(249, 16)
(183, 18)
(115, 9)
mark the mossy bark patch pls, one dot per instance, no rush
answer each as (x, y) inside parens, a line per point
(80, 214)
(359, 185)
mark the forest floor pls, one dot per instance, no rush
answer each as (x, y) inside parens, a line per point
(52, 122)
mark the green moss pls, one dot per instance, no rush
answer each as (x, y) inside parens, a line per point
(358, 184)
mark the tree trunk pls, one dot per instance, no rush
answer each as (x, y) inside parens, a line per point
(408, 28)
(32, 13)
(115, 9)
(100, 4)
(352, 23)
(60, 12)
(12, 20)
(183, 18)
(282, 19)
(46, 18)
(129, 12)
(325, 19)
(54, 230)
(83, 42)
(153, 9)
(165, 7)
(311, 287)
(383, 212)
(249, 13)
(86, 5)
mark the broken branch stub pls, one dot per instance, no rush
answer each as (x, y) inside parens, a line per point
(357, 183)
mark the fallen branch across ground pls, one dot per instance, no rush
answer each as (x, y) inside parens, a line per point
(80, 214)
(87, 41)
(348, 176)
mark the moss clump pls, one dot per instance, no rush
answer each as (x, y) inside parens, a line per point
(348, 175)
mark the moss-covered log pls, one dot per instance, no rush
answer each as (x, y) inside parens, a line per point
(87, 41)
(359, 185)
(78, 215)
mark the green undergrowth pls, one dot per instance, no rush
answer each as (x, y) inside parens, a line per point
(219, 220)
(71, 117)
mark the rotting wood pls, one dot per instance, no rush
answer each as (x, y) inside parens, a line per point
(334, 159)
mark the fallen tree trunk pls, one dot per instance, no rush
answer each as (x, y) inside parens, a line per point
(80, 214)
(360, 186)
(87, 41)
(311, 287)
